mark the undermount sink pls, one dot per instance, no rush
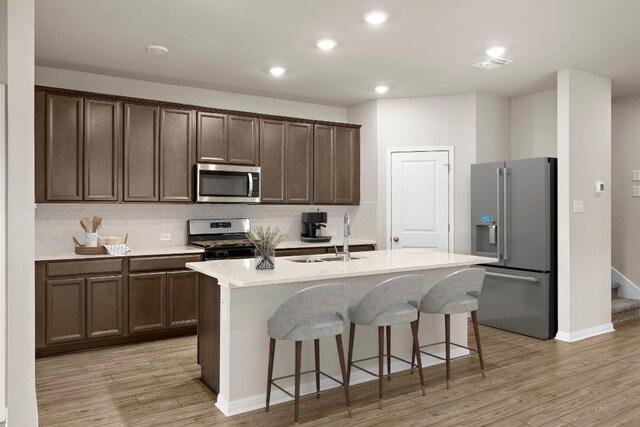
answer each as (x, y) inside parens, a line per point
(310, 260)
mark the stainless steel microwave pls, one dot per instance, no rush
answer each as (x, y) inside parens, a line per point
(227, 184)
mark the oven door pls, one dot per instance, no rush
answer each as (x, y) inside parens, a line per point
(227, 184)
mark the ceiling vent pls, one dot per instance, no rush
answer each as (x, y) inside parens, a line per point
(492, 63)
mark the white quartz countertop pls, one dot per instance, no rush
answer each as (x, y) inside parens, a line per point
(241, 273)
(294, 244)
(167, 250)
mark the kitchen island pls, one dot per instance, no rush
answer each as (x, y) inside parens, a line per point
(235, 301)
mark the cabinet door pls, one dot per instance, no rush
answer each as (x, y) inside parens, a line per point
(176, 158)
(64, 147)
(102, 142)
(104, 306)
(324, 164)
(347, 166)
(141, 151)
(243, 141)
(299, 159)
(272, 161)
(212, 138)
(182, 298)
(65, 310)
(147, 302)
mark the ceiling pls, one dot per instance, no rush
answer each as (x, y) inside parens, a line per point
(426, 48)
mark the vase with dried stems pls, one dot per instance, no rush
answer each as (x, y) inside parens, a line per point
(265, 241)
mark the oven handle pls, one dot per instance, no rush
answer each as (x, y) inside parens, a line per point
(250, 175)
(512, 276)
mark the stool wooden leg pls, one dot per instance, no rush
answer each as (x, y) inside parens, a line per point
(447, 340)
(272, 351)
(416, 351)
(297, 391)
(474, 318)
(389, 353)
(343, 370)
(316, 345)
(352, 334)
(380, 363)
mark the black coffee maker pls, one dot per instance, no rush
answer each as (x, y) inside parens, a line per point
(312, 222)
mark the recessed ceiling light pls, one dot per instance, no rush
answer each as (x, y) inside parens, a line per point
(496, 51)
(326, 44)
(277, 71)
(381, 89)
(157, 49)
(376, 17)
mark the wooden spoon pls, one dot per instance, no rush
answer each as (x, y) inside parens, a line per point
(85, 224)
(96, 223)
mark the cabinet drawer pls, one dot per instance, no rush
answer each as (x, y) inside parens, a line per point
(77, 268)
(161, 263)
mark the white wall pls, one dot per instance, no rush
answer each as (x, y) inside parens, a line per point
(625, 157)
(21, 397)
(534, 125)
(584, 239)
(68, 79)
(493, 127)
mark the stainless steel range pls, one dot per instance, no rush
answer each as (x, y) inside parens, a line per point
(221, 238)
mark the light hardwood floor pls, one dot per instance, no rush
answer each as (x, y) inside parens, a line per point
(595, 382)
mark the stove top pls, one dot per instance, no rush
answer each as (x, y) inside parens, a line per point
(225, 243)
(221, 238)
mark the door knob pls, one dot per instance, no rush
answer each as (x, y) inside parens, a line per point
(396, 239)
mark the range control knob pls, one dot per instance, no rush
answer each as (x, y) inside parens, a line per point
(225, 253)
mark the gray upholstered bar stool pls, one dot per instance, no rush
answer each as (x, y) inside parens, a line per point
(392, 302)
(455, 294)
(310, 314)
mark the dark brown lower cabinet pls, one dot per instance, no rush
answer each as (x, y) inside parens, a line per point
(65, 310)
(321, 250)
(147, 302)
(182, 298)
(104, 306)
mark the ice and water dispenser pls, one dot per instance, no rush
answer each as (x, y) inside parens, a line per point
(485, 235)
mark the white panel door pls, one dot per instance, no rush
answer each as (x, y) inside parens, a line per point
(420, 200)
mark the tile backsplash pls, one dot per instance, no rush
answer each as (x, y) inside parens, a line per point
(145, 223)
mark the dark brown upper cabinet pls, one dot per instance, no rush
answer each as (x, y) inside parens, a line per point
(286, 156)
(324, 168)
(212, 138)
(227, 139)
(63, 148)
(336, 165)
(299, 156)
(78, 146)
(243, 145)
(141, 153)
(102, 148)
(272, 160)
(176, 155)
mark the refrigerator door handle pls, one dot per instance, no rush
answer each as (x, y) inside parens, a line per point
(511, 276)
(498, 173)
(505, 203)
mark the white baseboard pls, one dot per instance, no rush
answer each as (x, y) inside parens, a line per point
(251, 403)
(584, 333)
(627, 288)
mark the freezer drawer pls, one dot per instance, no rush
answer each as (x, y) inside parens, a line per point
(519, 301)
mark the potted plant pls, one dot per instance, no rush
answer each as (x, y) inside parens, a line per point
(265, 241)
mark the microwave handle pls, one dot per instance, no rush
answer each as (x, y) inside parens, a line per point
(250, 184)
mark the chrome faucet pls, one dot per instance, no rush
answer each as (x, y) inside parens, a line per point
(347, 232)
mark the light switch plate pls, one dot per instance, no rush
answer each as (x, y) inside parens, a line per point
(165, 236)
(636, 191)
(636, 174)
(578, 206)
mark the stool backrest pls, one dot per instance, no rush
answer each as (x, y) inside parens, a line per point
(309, 302)
(402, 289)
(463, 282)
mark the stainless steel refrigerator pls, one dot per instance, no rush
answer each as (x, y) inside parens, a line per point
(513, 219)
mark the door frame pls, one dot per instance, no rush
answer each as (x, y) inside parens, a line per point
(447, 148)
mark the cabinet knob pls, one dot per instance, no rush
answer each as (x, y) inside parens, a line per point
(396, 239)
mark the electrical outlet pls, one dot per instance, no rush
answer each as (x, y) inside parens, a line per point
(165, 236)
(636, 191)
(636, 174)
(333, 232)
(578, 206)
